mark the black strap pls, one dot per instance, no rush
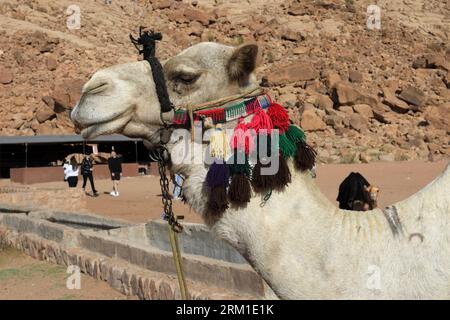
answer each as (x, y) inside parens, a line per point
(147, 39)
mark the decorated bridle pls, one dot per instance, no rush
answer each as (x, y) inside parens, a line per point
(267, 116)
(230, 177)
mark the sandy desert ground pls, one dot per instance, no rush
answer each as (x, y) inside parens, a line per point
(22, 277)
(140, 199)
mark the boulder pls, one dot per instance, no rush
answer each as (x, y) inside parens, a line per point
(297, 71)
(197, 15)
(345, 94)
(162, 4)
(67, 93)
(61, 99)
(334, 120)
(413, 96)
(311, 121)
(323, 102)
(6, 76)
(287, 33)
(49, 101)
(382, 113)
(392, 101)
(288, 100)
(363, 110)
(44, 113)
(346, 109)
(437, 61)
(195, 29)
(296, 9)
(439, 116)
(331, 79)
(300, 50)
(45, 129)
(357, 122)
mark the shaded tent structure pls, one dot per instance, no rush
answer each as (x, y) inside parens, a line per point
(44, 151)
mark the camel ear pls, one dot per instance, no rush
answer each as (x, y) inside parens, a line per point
(242, 62)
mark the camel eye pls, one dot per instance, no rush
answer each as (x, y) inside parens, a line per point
(187, 78)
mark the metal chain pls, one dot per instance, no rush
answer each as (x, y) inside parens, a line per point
(173, 226)
(166, 199)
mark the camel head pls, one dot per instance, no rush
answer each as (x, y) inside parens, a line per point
(373, 192)
(122, 98)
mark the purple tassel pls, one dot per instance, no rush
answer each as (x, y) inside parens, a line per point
(217, 180)
(218, 174)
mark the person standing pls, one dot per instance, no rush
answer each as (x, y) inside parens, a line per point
(87, 167)
(115, 168)
(71, 172)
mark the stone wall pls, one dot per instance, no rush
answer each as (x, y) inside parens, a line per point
(68, 199)
(117, 273)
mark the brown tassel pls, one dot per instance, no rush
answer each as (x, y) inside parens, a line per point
(262, 182)
(239, 191)
(283, 175)
(305, 157)
(218, 201)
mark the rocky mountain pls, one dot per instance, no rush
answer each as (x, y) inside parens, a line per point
(361, 94)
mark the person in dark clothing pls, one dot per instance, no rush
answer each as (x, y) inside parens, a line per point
(115, 168)
(352, 192)
(87, 167)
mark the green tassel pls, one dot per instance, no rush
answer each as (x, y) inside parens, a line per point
(287, 147)
(235, 167)
(295, 134)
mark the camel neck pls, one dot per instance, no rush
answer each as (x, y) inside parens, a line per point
(291, 228)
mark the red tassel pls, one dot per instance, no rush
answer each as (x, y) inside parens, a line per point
(261, 121)
(242, 140)
(279, 117)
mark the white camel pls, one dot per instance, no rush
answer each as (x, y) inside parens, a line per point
(299, 242)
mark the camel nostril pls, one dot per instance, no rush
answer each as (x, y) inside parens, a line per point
(96, 88)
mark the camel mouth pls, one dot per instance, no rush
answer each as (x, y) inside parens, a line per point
(113, 125)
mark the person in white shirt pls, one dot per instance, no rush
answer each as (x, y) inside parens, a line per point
(71, 172)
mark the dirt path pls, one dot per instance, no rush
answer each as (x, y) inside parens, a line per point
(140, 201)
(22, 277)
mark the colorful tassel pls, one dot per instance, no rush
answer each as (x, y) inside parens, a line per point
(283, 175)
(279, 117)
(218, 146)
(261, 122)
(295, 134)
(259, 181)
(239, 191)
(238, 163)
(262, 182)
(276, 181)
(217, 180)
(305, 158)
(242, 139)
(287, 147)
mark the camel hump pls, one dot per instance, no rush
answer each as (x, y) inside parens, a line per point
(446, 174)
(442, 183)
